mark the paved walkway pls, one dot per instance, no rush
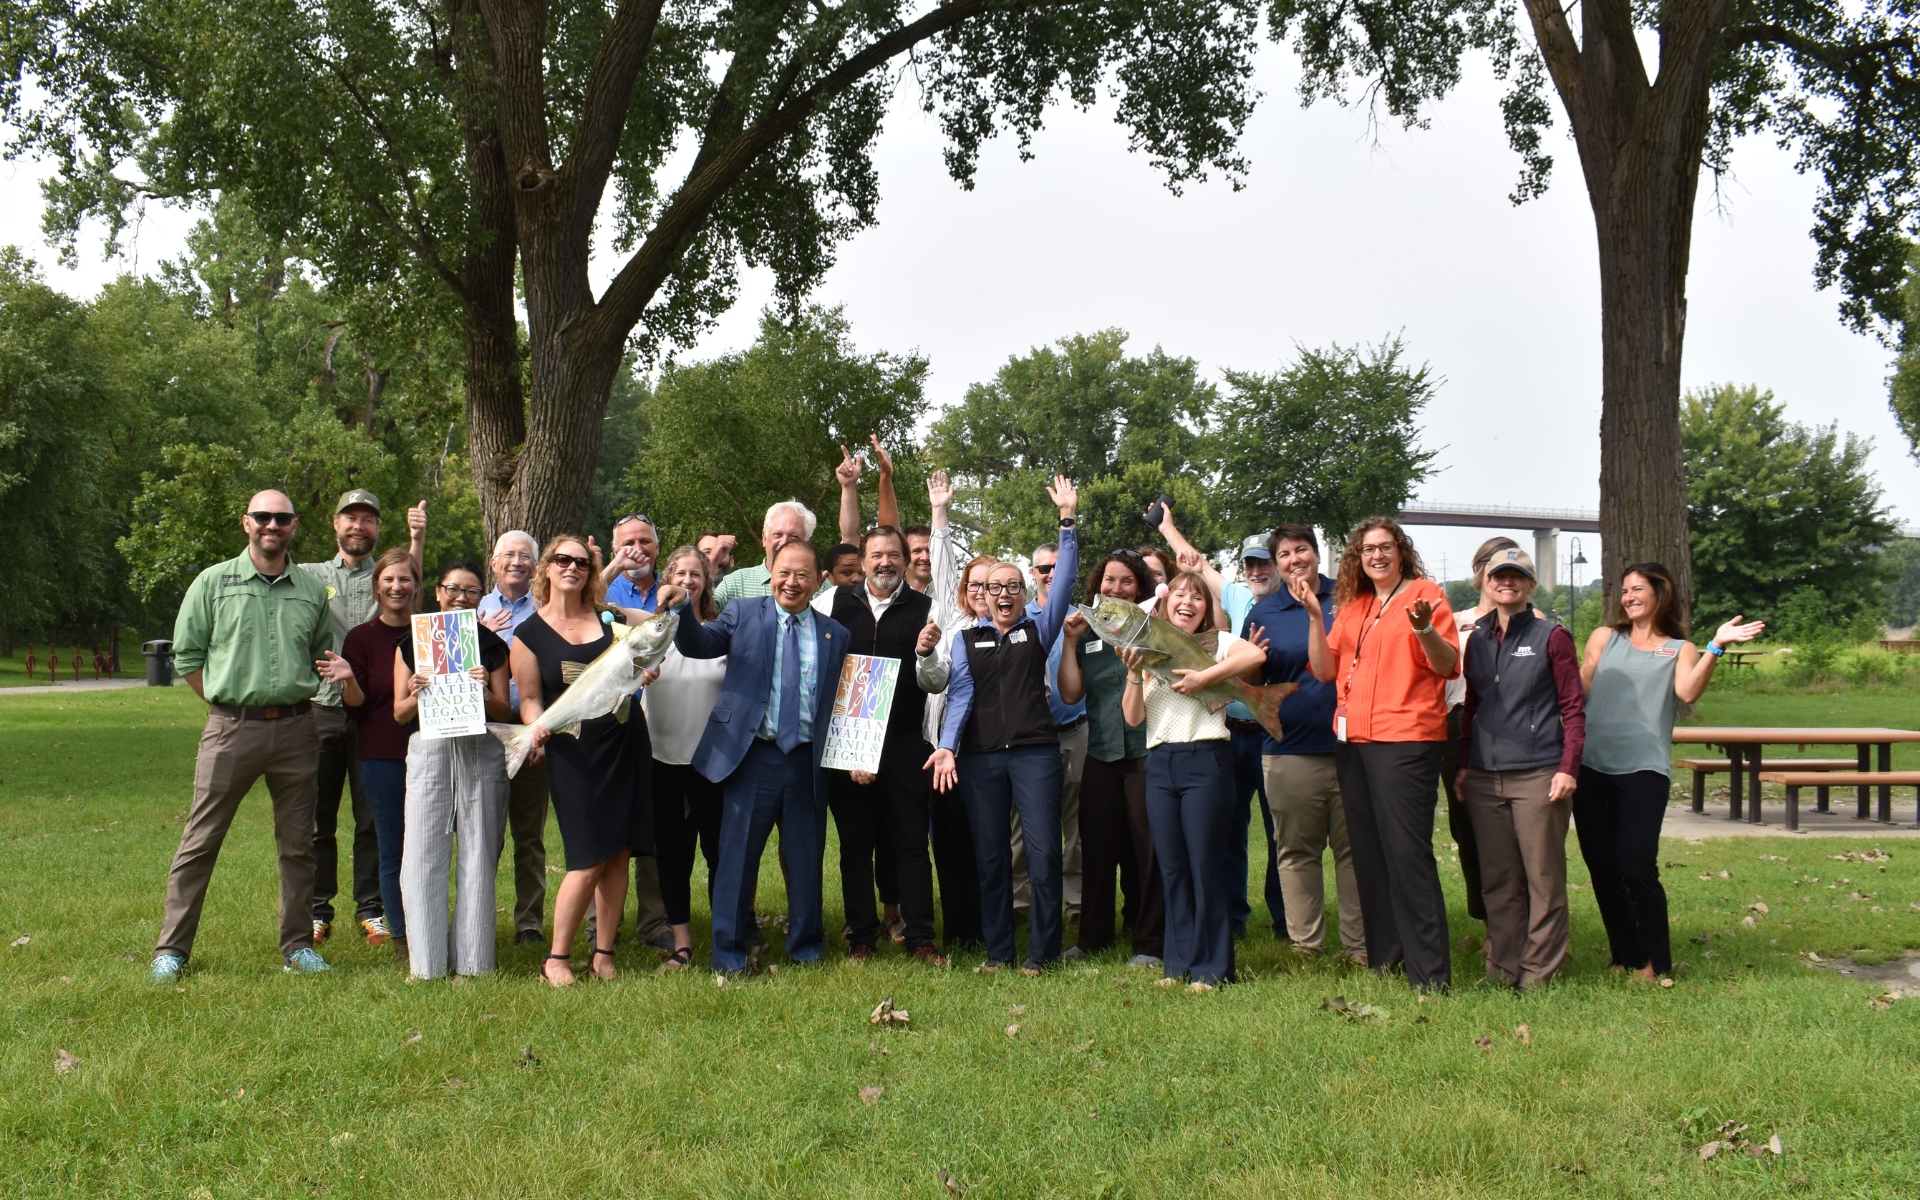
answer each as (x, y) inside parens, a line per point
(1683, 822)
(83, 685)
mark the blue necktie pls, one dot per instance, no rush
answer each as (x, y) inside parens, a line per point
(787, 726)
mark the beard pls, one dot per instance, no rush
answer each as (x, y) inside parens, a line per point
(884, 580)
(357, 543)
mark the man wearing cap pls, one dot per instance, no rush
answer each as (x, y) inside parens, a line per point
(347, 579)
(248, 634)
(1245, 735)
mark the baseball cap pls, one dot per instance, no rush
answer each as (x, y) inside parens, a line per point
(1255, 546)
(358, 496)
(1511, 560)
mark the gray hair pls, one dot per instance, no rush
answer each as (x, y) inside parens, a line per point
(797, 509)
(516, 535)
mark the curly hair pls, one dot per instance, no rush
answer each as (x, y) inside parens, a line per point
(596, 591)
(704, 610)
(1135, 565)
(1352, 577)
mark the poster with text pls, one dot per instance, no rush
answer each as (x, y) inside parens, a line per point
(857, 730)
(446, 645)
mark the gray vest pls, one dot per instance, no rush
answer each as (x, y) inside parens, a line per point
(1516, 715)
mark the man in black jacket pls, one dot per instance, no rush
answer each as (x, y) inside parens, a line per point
(887, 619)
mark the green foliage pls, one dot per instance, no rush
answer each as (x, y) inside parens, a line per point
(728, 438)
(1329, 440)
(1461, 594)
(1902, 556)
(621, 446)
(1775, 508)
(1903, 386)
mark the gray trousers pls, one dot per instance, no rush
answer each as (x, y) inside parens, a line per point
(1073, 764)
(453, 784)
(234, 754)
(527, 816)
(1303, 790)
(1523, 872)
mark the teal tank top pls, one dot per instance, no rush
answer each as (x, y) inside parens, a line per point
(1630, 709)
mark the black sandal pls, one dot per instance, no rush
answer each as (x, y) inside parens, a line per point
(548, 979)
(598, 950)
(680, 959)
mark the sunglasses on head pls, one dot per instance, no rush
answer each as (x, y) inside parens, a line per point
(633, 517)
(273, 518)
(563, 561)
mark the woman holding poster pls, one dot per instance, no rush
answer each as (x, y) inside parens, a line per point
(364, 670)
(453, 784)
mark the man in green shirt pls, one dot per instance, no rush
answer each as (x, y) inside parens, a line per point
(348, 578)
(249, 632)
(787, 521)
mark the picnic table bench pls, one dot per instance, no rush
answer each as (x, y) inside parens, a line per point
(1793, 781)
(1745, 745)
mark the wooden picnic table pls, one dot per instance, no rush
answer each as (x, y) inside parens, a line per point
(1747, 742)
(1744, 656)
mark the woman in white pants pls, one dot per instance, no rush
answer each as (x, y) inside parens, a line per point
(457, 783)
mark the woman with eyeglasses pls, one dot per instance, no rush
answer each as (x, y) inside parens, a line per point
(601, 778)
(1114, 831)
(455, 785)
(1392, 649)
(364, 670)
(686, 805)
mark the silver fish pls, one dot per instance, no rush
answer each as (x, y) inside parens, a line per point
(1166, 647)
(602, 686)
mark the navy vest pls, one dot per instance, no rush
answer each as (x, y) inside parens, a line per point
(1009, 690)
(1516, 715)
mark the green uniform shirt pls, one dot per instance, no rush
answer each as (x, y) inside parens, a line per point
(1109, 737)
(256, 641)
(350, 600)
(744, 584)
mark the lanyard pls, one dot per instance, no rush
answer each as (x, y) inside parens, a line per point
(1347, 690)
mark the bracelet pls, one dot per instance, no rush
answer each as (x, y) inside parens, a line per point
(1716, 649)
(1422, 632)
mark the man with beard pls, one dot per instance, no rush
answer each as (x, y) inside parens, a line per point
(348, 580)
(887, 619)
(718, 545)
(247, 638)
(502, 610)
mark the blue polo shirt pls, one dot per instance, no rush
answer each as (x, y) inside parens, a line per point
(1307, 715)
(1063, 714)
(621, 592)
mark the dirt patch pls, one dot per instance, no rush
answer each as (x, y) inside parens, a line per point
(1894, 972)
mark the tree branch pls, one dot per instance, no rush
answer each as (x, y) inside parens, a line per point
(1826, 53)
(622, 56)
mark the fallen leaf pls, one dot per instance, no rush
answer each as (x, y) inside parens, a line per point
(66, 979)
(948, 1182)
(1759, 906)
(1018, 1010)
(1013, 1031)
(1885, 1000)
(1773, 1144)
(1749, 923)
(1485, 1043)
(884, 1013)
(1525, 1035)
(1082, 1049)
(1726, 874)
(871, 1094)
(414, 1037)
(527, 1060)
(1705, 877)
(64, 1062)
(1709, 1150)
(340, 1139)
(719, 980)
(1666, 983)
(22, 940)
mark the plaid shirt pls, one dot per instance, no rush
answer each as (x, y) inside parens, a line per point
(809, 674)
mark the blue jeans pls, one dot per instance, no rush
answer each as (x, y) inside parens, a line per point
(1191, 806)
(1250, 781)
(768, 787)
(992, 786)
(386, 782)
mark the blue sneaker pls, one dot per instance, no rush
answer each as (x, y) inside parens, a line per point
(306, 961)
(166, 968)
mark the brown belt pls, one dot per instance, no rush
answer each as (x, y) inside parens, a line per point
(1240, 726)
(270, 713)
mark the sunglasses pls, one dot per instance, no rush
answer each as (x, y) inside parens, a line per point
(563, 561)
(1046, 570)
(633, 517)
(1125, 552)
(273, 518)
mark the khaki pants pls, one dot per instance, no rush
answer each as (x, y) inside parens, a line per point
(1303, 790)
(1523, 872)
(234, 754)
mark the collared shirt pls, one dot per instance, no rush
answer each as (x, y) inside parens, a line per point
(1048, 623)
(929, 670)
(255, 641)
(350, 601)
(1109, 737)
(1306, 716)
(809, 673)
(1237, 599)
(625, 593)
(744, 584)
(1063, 714)
(517, 611)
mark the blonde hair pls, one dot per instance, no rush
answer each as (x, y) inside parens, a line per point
(596, 591)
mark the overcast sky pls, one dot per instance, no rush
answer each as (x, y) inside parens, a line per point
(1334, 239)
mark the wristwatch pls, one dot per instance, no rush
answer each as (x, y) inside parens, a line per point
(1716, 649)
(1067, 522)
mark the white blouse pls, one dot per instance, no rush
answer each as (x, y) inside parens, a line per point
(679, 703)
(1172, 717)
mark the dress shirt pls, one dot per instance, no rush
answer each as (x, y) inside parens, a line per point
(517, 611)
(255, 639)
(809, 672)
(350, 602)
(1048, 623)
(1063, 714)
(623, 592)
(744, 583)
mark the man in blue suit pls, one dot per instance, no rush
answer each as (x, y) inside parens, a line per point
(763, 745)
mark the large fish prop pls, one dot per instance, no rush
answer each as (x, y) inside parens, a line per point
(1166, 647)
(594, 689)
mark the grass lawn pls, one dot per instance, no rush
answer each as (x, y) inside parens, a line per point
(13, 667)
(247, 1082)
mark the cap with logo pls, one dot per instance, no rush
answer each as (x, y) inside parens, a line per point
(1255, 546)
(1511, 560)
(357, 498)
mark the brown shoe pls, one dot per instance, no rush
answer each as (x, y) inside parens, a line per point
(929, 956)
(860, 951)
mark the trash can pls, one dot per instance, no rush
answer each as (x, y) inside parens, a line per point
(159, 662)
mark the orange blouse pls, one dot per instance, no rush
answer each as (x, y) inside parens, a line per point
(1390, 694)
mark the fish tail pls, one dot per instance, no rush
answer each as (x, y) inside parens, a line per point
(1265, 703)
(518, 740)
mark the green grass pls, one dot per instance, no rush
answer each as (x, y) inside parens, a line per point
(246, 1082)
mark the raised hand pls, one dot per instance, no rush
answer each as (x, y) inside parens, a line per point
(1256, 637)
(417, 518)
(1421, 613)
(333, 668)
(593, 551)
(929, 638)
(1305, 592)
(1734, 631)
(848, 472)
(939, 491)
(1074, 626)
(881, 456)
(1064, 496)
(1191, 560)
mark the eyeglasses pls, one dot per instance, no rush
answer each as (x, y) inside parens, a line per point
(974, 585)
(1003, 589)
(563, 561)
(514, 556)
(1380, 551)
(470, 593)
(1043, 570)
(273, 518)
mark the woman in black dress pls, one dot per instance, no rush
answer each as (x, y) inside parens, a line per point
(600, 779)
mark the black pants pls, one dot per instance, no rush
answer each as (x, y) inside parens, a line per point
(1618, 818)
(686, 814)
(1459, 824)
(959, 873)
(1249, 786)
(340, 771)
(894, 804)
(1115, 833)
(1389, 790)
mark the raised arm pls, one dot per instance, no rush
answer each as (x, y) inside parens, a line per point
(1066, 571)
(1696, 669)
(417, 535)
(695, 640)
(848, 473)
(1319, 654)
(1192, 560)
(1071, 683)
(889, 510)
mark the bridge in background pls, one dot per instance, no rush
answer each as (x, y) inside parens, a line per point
(1547, 525)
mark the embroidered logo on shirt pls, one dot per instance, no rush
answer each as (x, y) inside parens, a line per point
(1018, 635)
(1524, 652)
(232, 580)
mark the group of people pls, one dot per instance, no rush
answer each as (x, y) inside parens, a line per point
(1029, 763)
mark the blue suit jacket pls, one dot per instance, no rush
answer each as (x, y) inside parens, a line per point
(744, 632)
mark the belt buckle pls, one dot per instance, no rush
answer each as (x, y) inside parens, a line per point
(271, 714)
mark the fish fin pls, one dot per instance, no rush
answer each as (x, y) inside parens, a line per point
(518, 740)
(571, 671)
(1152, 657)
(623, 709)
(1265, 703)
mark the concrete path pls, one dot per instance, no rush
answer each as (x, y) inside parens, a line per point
(1683, 822)
(83, 685)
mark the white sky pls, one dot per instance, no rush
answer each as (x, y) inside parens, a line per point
(1334, 239)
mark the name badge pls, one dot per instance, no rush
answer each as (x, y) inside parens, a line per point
(1018, 635)
(1095, 646)
(983, 645)
(1666, 652)
(1340, 723)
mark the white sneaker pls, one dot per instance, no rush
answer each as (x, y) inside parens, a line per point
(376, 930)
